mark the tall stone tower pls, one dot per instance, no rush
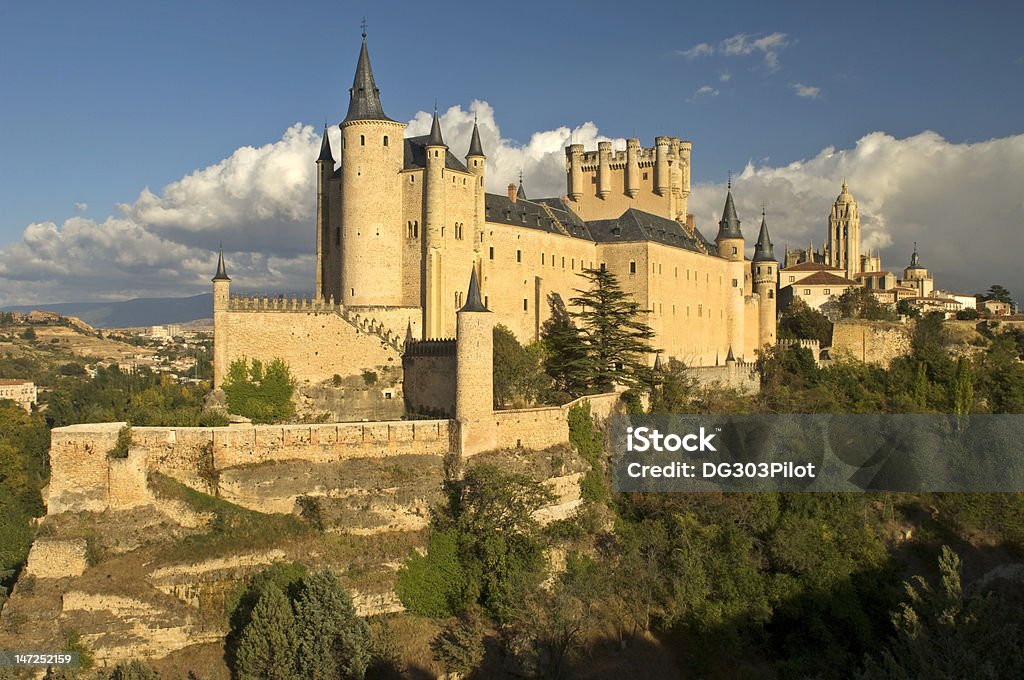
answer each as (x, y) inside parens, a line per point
(476, 163)
(325, 287)
(766, 271)
(474, 379)
(372, 155)
(221, 300)
(843, 249)
(730, 246)
(433, 231)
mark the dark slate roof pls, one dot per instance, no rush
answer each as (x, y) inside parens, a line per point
(521, 192)
(222, 272)
(729, 226)
(435, 138)
(364, 97)
(763, 250)
(636, 225)
(416, 155)
(473, 301)
(532, 214)
(475, 148)
(325, 150)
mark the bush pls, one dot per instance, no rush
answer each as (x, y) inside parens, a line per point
(263, 395)
(123, 443)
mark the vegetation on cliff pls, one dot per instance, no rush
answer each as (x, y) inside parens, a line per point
(260, 393)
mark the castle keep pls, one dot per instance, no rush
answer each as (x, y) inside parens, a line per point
(400, 222)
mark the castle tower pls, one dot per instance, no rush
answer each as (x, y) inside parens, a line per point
(730, 247)
(474, 379)
(662, 165)
(843, 249)
(574, 171)
(917, 276)
(765, 270)
(633, 167)
(433, 230)
(604, 169)
(476, 161)
(324, 169)
(221, 301)
(372, 156)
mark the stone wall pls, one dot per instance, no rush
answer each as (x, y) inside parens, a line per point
(539, 428)
(57, 558)
(873, 342)
(738, 375)
(429, 370)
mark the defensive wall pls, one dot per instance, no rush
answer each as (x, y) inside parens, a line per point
(872, 342)
(429, 369)
(738, 375)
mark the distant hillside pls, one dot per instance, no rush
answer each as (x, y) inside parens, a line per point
(138, 312)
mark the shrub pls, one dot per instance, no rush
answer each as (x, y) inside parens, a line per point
(263, 394)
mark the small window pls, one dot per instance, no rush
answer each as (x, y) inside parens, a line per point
(490, 252)
(807, 291)
(436, 153)
(632, 267)
(792, 279)
(485, 302)
(827, 291)
(526, 305)
(734, 251)
(412, 179)
(542, 258)
(519, 256)
(645, 175)
(759, 270)
(563, 262)
(771, 293)
(362, 140)
(385, 140)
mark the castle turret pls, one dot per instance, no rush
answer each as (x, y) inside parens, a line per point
(474, 381)
(476, 161)
(765, 269)
(574, 171)
(730, 246)
(662, 165)
(433, 242)
(604, 169)
(633, 167)
(221, 302)
(372, 156)
(324, 170)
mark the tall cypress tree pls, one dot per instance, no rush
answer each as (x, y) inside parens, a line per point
(266, 650)
(565, 349)
(332, 641)
(617, 339)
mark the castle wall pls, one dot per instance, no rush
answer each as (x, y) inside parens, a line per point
(429, 369)
(414, 225)
(540, 428)
(316, 344)
(751, 326)
(738, 375)
(873, 342)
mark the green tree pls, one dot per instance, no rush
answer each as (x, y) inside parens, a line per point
(800, 322)
(29, 334)
(997, 293)
(434, 584)
(963, 397)
(519, 379)
(616, 338)
(134, 670)
(332, 641)
(459, 647)
(266, 650)
(858, 302)
(565, 350)
(263, 394)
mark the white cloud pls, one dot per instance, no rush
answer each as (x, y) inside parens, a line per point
(806, 91)
(703, 91)
(725, 76)
(960, 202)
(81, 207)
(767, 46)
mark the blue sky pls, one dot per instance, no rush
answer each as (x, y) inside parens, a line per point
(101, 102)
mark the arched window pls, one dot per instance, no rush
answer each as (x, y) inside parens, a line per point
(385, 140)
(362, 140)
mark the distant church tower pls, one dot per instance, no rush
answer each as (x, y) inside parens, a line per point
(843, 250)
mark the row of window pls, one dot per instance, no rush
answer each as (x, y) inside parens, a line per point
(412, 230)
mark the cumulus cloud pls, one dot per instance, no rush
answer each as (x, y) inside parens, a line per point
(806, 91)
(703, 91)
(960, 202)
(767, 46)
(81, 207)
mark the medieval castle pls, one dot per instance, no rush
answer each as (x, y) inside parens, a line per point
(401, 223)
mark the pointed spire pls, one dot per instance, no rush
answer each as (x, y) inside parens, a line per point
(475, 148)
(473, 301)
(763, 249)
(521, 192)
(325, 149)
(364, 97)
(915, 259)
(222, 272)
(730, 356)
(408, 331)
(435, 138)
(729, 226)
(657, 363)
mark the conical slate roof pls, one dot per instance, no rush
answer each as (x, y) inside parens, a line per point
(475, 148)
(435, 138)
(729, 226)
(763, 249)
(364, 97)
(520, 192)
(325, 149)
(222, 273)
(473, 301)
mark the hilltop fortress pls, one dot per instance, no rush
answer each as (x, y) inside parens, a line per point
(402, 222)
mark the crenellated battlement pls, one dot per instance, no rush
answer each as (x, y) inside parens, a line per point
(444, 347)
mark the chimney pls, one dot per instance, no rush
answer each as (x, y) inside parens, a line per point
(512, 192)
(690, 222)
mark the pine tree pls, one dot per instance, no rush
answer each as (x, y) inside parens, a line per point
(459, 647)
(565, 349)
(332, 641)
(266, 650)
(963, 398)
(617, 339)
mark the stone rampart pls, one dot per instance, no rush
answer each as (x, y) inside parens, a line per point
(872, 342)
(539, 428)
(429, 370)
(738, 375)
